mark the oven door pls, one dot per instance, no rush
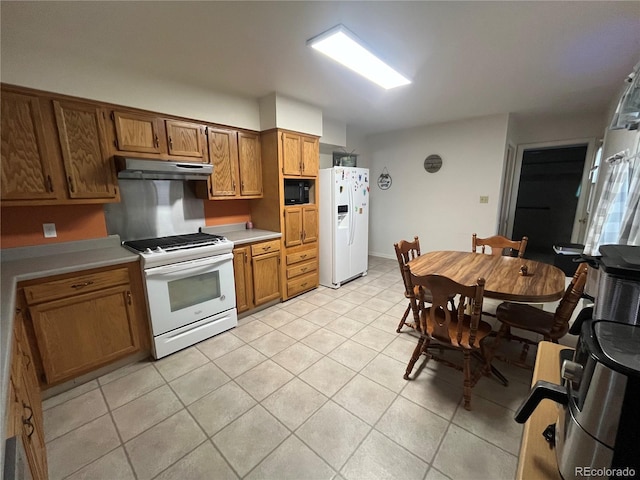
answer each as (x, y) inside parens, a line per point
(185, 292)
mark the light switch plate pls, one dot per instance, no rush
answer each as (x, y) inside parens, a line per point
(49, 230)
(484, 199)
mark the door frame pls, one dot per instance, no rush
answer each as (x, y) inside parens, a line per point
(580, 220)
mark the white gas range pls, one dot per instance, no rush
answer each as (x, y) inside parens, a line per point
(190, 288)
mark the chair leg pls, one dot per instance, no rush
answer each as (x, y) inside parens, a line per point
(414, 358)
(467, 380)
(404, 318)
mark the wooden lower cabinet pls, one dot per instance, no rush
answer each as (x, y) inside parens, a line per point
(257, 274)
(24, 403)
(301, 271)
(86, 320)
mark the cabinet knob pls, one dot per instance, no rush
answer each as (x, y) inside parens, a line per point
(71, 187)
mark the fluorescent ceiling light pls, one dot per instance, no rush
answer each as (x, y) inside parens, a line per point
(342, 45)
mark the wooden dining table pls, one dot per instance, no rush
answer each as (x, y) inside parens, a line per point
(503, 278)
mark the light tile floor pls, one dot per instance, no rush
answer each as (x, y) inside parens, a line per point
(308, 389)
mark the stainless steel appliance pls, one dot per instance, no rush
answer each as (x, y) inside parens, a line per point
(188, 276)
(617, 291)
(190, 288)
(596, 434)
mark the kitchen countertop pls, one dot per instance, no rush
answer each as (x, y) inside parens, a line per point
(26, 263)
(239, 235)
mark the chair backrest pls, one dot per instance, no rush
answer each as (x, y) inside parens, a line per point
(405, 252)
(438, 318)
(568, 302)
(498, 243)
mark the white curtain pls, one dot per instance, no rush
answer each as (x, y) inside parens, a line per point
(617, 216)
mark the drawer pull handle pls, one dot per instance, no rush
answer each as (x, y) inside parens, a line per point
(266, 248)
(303, 256)
(303, 284)
(304, 269)
(82, 285)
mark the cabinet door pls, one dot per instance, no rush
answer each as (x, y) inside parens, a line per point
(223, 154)
(242, 275)
(310, 156)
(29, 402)
(186, 140)
(293, 226)
(291, 150)
(83, 332)
(88, 168)
(250, 164)
(309, 224)
(137, 132)
(266, 277)
(26, 161)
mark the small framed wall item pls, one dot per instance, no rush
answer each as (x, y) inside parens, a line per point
(384, 180)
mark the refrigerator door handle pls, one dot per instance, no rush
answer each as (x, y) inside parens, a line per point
(352, 219)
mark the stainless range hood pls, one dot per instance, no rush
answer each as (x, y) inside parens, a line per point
(135, 168)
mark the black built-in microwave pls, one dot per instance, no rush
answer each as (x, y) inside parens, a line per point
(296, 191)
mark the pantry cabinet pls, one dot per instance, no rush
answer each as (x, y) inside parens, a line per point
(24, 403)
(237, 169)
(257, 274)
(85, 320)
(288, 155)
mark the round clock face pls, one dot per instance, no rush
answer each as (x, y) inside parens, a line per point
(432, 163)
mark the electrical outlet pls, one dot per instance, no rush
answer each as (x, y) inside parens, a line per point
(49, 230)
(484, 199)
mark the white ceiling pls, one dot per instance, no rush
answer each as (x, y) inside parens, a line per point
(466, 59)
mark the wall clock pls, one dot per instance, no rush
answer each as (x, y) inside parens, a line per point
(433, 163)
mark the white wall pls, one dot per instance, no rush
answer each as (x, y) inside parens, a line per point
(278, 111)
(543, 129)
(102, 82)
(442, 208)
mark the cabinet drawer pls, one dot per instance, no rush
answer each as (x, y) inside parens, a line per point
(67, 287)
(301, 256)
(302, 268)
(302, 284)
(265, 247)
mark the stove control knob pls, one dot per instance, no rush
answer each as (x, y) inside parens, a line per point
(571, 371)
(158, 250)
(148, 250)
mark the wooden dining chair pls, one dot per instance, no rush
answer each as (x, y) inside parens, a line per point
(450, 329)
(405, 252)
(498, 243)
(550, 325)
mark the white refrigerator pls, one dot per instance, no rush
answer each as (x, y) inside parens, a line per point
(344, 224)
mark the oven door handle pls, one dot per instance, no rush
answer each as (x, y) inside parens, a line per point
(190, 265)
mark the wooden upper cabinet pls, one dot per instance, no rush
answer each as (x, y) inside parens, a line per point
(26, 158)
(137, 132)
(223, 154)
(158, 138)
(249, 164)
(186, 140)
(310, 156)
(237, 166)
(300, 155)
(88, 167)
(291, 154)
